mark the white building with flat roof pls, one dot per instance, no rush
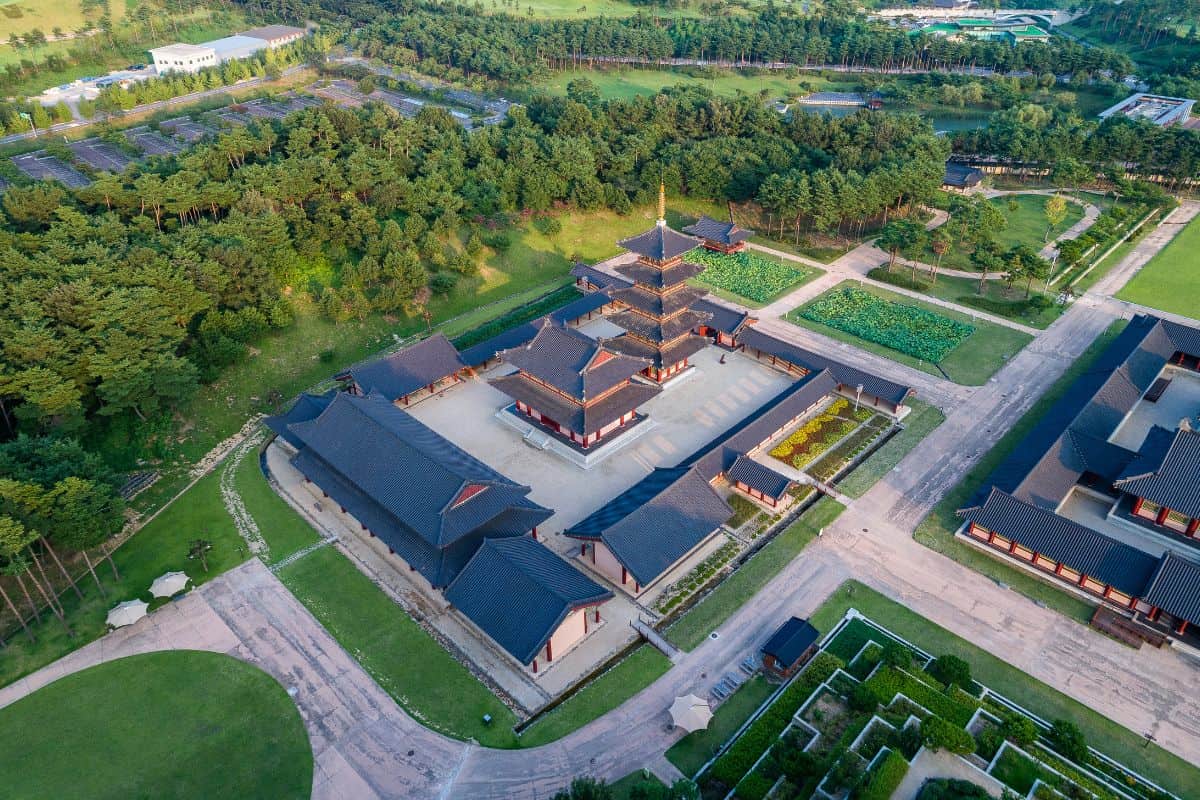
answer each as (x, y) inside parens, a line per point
(183, 58)
(276, 35)
(1155, 108)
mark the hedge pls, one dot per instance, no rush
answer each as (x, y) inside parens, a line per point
(939, 734)
(958, 707)
(518, 316)
(764, 732)
(883, 779)
(754, 787)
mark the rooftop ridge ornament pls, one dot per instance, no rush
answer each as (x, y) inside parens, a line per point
(662, 204)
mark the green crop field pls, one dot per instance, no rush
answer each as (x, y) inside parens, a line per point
(750, 276)
(975, 359)
(181, 723)
(1171, 280)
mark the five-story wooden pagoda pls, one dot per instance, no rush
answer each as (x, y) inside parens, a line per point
(657, 313)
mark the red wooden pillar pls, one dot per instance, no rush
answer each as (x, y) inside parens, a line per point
(624, 575)
(1162, 515)
(1193, 526)
(549, 652)
(597, 615)
(1182, 627)
(535, 533)
(583, 549)
(585, 625)
(1137, 505)
(535, 665)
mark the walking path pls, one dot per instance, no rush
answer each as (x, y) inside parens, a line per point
(365, 746)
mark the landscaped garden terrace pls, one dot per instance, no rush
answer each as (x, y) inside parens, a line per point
(855, 718)
(931, 338)
(817, 435)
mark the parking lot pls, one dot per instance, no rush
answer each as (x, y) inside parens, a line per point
(100, 155)
(40, 166)
(153, 143)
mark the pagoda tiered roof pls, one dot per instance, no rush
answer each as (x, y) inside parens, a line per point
(652, 276)
(660, 356)
(660, 329)
(583, 419)
(660, 243)
(658, 304)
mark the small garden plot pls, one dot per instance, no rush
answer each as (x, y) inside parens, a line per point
(905, 328)
(819, 434)
(747, 274)
(743, 510)
(850, 448)
(698, 578)
(1017, 770)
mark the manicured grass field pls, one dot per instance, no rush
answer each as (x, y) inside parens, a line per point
(936, 531)
(1119, 743)
(693, 751)
(917, 425)
(282, 529)
(635, 672)
(971, 363)
(175, 724)
(420, 674)
(697, 622)
(627, 83)
(1026, 225)
(1171, 280)
(161, 546)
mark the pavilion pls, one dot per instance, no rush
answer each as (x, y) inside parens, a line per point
(427, 366)
(720, 237)
(658, 316)
(574, 386)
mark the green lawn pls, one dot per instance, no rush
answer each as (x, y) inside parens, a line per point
(175, 724)
(706, 616)
(971, 363)
(282, 528)
(917, 425)
(159, 547)
(936, 531)
(1119, 743)
(623, 788)
(1171, 280)
(623, 84)
(1026, 225)
(407, 662)
(628, 677)
(693, 751)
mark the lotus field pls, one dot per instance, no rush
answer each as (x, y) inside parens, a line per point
(908, 329)
(746, 274)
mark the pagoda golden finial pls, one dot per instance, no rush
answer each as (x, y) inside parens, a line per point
(662, 203)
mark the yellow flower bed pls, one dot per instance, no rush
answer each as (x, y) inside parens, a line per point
(815, 436)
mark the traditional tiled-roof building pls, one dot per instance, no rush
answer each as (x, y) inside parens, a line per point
(720, 237)
(424, 368)
(573, 385)
(658, 316)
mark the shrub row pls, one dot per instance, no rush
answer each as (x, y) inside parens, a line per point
(518, 316)
(956, 706)
(730, 768)
(883, 779)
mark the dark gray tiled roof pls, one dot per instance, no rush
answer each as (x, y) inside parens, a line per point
(1174, 588)
(791, 641)
(961, 175)
(758, 476)
(597, 277)
(662, 330)
(412, 368)
(844, 374)
(307, 406)
(572, 362)
(1126, 568)
(518, 592)
(714, 230)
(719, 454)
(1167, 471)
(722, 317)
(658, 278)
(660, 243)
(1185, 338)
(1047, 463)
(579, 418)
(662, 356)
(522, 334)
(652, 303)
(408, 469)
(657, 521)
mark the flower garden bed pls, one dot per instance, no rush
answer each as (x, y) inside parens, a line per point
(743, 510)
(698, 578)
(905, 328)
(817, 435)
(851, 448)
(747, 274)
